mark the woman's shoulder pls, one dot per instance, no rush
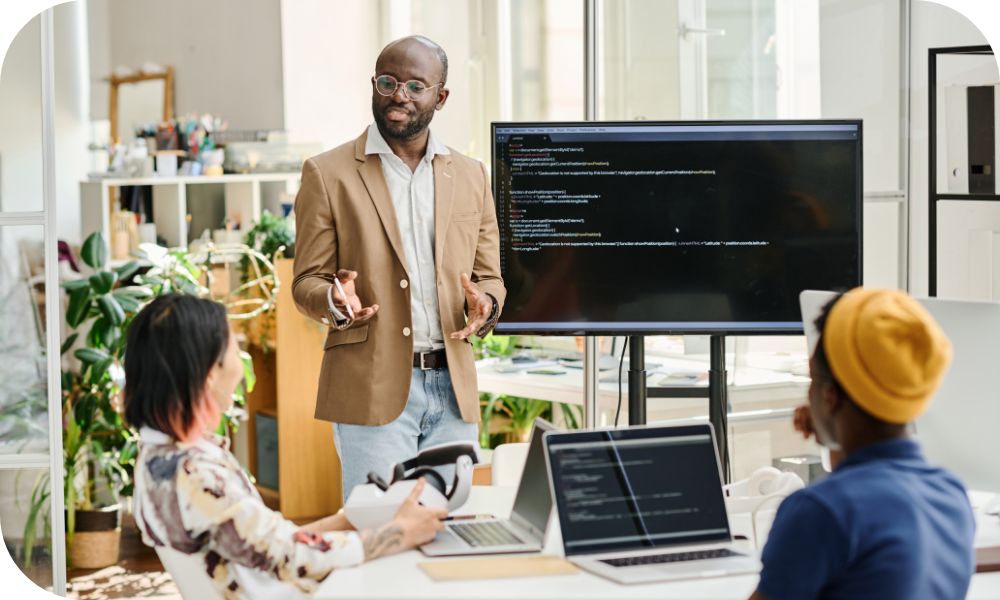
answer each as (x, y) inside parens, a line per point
(170, 462)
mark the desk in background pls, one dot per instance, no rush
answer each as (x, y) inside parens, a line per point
(761, 403)
(750, 389)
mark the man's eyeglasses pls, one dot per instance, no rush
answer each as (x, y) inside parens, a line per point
(387, 85)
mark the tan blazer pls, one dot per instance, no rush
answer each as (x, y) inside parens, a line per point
(344, 218)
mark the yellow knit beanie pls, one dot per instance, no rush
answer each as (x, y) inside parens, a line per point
(886, 351)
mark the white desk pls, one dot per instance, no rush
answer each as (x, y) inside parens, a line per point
(399, 576)
(750, 389)
(762, 401)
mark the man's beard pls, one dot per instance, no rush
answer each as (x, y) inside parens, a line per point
(405, 131)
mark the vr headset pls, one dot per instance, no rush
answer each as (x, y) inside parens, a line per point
(376, 503)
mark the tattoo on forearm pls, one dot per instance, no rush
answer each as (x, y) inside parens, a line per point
(382, 541)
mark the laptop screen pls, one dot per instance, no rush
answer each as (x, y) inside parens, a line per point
(634, 489)
(533, 502)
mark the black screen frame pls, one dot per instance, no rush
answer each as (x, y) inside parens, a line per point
(557, 438)
(576, 328)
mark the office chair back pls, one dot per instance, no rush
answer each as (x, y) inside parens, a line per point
(188, 571)
(508, 464)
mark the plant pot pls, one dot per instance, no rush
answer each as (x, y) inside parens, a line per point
(96, 539)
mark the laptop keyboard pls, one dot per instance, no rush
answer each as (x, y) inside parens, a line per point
(656, 559)
(489, 533)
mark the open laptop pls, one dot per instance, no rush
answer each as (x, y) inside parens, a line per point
(524, 531)
(643, 504)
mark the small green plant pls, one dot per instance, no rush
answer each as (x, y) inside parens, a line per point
(269, 236)
(509, 418)
(273, 237)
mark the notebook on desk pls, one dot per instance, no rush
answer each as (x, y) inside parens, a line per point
(643, 504)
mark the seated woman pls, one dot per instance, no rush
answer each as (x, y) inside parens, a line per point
(182, 365)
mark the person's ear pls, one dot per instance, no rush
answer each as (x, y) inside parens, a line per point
(442, 98)
(212, 377)
(832, 399)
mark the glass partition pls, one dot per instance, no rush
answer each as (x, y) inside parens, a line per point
(24, 422)
(21, 123)
(29, 448)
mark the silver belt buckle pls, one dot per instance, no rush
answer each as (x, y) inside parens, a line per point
(423, 355)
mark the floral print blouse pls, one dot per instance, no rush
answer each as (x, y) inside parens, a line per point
(196, 499)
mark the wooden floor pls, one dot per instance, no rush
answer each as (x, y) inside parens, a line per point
(138, 573)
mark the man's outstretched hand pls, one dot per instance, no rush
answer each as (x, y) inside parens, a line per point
(361, 313)
(479, 308)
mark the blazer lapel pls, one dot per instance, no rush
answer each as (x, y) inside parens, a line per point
(444, 188)
(370, 170)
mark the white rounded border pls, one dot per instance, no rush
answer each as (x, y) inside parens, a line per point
(14, 15)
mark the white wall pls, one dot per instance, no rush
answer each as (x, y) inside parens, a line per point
(860, 66)
(931, 26)
(21, 123)
(72, 114)
(226, 54)
(329, 53)
(639, 37)
(328, 56)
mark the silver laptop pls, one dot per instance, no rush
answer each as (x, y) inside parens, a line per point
(643, 504)
(524, 531)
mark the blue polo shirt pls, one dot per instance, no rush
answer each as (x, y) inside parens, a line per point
(884, 524)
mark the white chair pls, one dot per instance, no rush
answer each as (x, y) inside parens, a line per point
(752, 503)
(508, 463)
(188, 571)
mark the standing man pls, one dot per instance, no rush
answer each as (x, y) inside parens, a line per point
(397, 251)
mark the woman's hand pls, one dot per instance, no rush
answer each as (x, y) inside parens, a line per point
(419, 523)
(413, 526)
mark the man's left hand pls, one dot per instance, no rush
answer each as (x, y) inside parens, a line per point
(479, 308)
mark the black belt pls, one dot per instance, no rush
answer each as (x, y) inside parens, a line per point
(434, 359)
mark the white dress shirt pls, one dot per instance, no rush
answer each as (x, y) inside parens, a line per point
(413, 198)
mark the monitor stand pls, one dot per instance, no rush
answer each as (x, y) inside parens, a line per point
(717, 392)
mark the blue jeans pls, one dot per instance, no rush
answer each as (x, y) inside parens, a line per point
(431, 417)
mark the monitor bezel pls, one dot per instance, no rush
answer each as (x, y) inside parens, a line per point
(562, 437)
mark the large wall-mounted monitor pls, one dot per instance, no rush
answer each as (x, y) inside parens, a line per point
(674, 227)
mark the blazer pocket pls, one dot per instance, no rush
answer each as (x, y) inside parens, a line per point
(467, 216)
(346, 336)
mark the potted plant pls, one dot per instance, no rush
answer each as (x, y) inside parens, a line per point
(508, 418)
(273, 237)
(99, 449)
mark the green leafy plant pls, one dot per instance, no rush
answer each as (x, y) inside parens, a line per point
(273, 237)
(507, 418)
(98, 446)
(270, 235)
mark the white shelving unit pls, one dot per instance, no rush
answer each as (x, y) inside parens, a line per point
(244, 195)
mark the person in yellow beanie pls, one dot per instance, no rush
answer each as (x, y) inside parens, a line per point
(884, 524)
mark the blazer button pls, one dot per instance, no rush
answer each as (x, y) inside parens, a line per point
(406, 331)
(403, 283)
